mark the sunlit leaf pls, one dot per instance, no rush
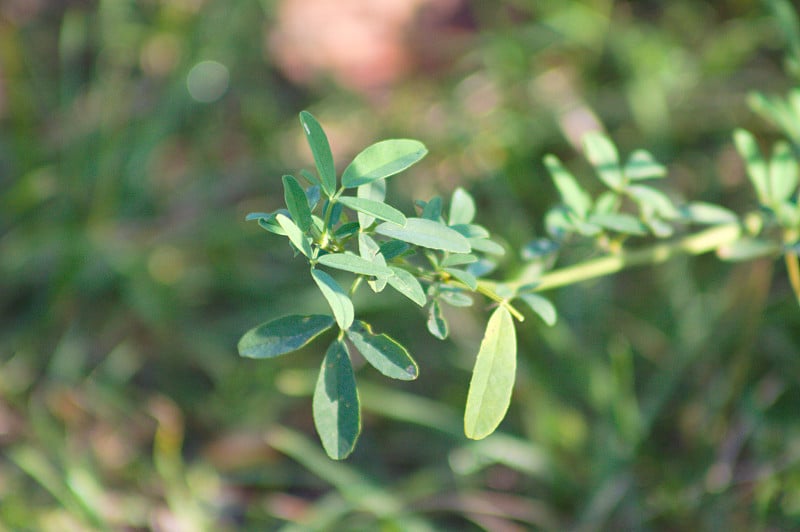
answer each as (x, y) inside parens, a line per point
(652, 201)
(297, 202)
(642, 165)
(465, 277)
(457, 259)
(437, 325)
(318, 142)
(375, 209)
(486, 246)
(541, 306)
(282, 335)
(295, 235)
(426, 233)
(782, 173)
(382, 352)
(707, 213)
(462, 208)
(382, 159)
(337, 298)
(603, 155)
(492, 377)
(408, 285)
(620, 222)
(455, 298)
(351, 262)
(336, 409)
(571, 193)
(375, 191)
(747, 249)
(368, 249)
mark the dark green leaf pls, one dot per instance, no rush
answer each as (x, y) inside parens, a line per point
(382, 159)
(437, 325)
(375, 209)
(471, 230)
(282, 335)
(432, 210)
(382, 352)
(318, 142)
(337, 298)
(393, 248)
(408, 285)
(462, 208)
(351, 262)
(297, 202)
(296, 236)
(337, 413)
(602, 153)
(426, 233)
(347, 229)
(492, 377)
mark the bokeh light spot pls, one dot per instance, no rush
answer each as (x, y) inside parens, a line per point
(207, 81)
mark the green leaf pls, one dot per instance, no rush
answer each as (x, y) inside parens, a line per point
(350, 262)
(457, 259)
(602, 153)
(375, 191)
(747, 249)
(375, 209)
(311, 178)
(492, 377)
(336, 408)
(432, 210)
(471, 230)
(571, 193)
(652, 201)
(782, 173)
(408, 285)
(620, 222)
(707, 213)
(426, 233)
(641, 165)
(465, 277)
(347, 229)
(369, 250)
(318, 142)
(455, 298)
(462, 208)
(337, 298)
(437, 325)
(382, 159)
(756, 166)
(282, 335)
(297, 202)
(541, 306)
(295, 235)
(393, 248)
(383, 353)
(486, 246)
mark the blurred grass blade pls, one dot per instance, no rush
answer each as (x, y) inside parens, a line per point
(282, 335)
(296, 236)
(383, 353)
(337, 298)
(541, 306)
(337, 414)
(321, 149)
(408, 285)
(492, 377)
(297, 202)
(376, 209)
(462, 208)
(351, 262)
(381, 160)
(603, 155)
(426, 233)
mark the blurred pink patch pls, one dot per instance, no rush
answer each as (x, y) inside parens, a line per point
(362, 44)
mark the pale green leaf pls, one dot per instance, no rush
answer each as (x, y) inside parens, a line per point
(382, 159)
(318, 142)
(747, 249)
(297, 202)
(541, 306)
(337, 298)
(707, 213)
(375, 191)
(486, 246)
(492, 377)
(382, 352)
(375, 209)
(782, 173)
(462, 207)
(437, 325)
(457, 259)
(652, 201)
(465, 277)
(282, 335)
(620, 222)
(571, 193)
(754, 162)
(336, 409)
(426, 233)
(455, 298)
(408, 285)
(295, 235)
(602, 153)
(351, 262)
(642, 165)
(369, 250)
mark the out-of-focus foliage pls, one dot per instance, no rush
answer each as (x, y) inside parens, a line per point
(136, 134)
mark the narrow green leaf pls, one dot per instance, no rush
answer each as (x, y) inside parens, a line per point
(369, 250)
(337, 298)
(350, 262)
(754, 162)
(347, 229)
(541, 306)
(465, 277)
(375, 191)
(311, 178)
(258, 215)
(641, 165)
(318, 142)
(455, 298)
(486, 246)
(296, 202)
(457, 259)
(747, 249)
(381, 160)
(620, 222)
(408, 285)
(375, 209)
(295, 235)
(707, 213)
(336, 408)
(437, 325)
(471, 230)
(426, 233)
(282, 335)
(652, 201)
(782, 173)
(462, 208)
(393, 248)
(571, 193)
(492, 377)
(603, 155)
(382, 352)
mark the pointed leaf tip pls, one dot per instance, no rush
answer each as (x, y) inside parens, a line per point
(282, 335)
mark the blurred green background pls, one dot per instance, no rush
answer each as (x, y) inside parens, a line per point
(136, 134)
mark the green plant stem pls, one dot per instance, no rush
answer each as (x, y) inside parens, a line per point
(695, 244)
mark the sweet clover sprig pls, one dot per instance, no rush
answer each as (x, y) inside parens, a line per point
(343, 226)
